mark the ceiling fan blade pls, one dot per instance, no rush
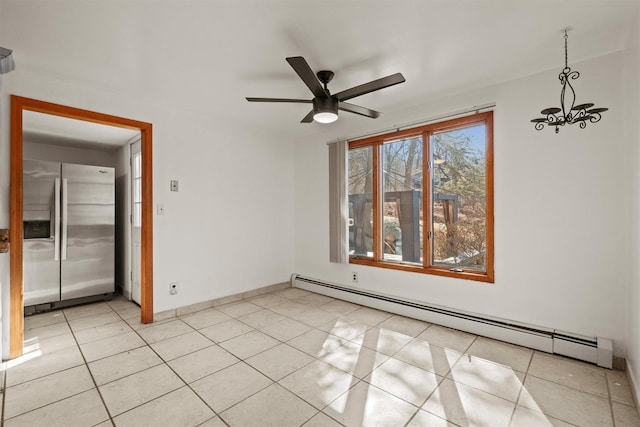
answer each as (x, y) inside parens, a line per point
(308, 118)
(356, 109)
(297, 101)
(374, 85)
(307, 75)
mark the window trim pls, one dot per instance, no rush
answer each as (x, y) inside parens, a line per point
(376, 142)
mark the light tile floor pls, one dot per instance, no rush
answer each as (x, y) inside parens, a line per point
(292, 358)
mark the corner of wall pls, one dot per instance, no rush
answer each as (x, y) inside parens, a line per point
(633, 292)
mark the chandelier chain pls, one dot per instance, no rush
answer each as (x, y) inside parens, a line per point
(566, 55)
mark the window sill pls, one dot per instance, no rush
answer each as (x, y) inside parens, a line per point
(477, 276)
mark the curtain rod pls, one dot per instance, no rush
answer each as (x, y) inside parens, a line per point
(475, 109)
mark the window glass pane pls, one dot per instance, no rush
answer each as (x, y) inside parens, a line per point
(137, 202)
(137, 165)
(137, 214)
(402, 195)
(137, 190)
(361, 201)
(459, 198)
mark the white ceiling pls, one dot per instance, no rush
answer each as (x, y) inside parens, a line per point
(206, 56)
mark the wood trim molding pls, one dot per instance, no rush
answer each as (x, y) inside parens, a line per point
(146, 232)
(20, 104)
(16, 311)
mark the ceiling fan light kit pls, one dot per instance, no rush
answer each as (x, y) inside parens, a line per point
(325, 110)
(568, 113)
(325, 105)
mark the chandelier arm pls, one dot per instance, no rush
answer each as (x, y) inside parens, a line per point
(594, 117)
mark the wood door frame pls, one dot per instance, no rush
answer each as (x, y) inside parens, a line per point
(16, 301)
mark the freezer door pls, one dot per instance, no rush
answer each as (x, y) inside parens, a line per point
(88, 229)
(41, 273)
(40, 259)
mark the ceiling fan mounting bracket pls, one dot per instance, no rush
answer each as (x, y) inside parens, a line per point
(325, 76)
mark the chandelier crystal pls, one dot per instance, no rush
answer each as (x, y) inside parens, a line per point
(568, 113)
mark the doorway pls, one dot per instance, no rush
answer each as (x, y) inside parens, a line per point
(18, 106)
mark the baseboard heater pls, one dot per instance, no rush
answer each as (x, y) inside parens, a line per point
(594, 350)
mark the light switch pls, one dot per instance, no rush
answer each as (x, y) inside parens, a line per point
(174, 185)
(160, 209)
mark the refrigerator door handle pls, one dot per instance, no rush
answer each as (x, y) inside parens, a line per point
(56, 219)
(64, 219)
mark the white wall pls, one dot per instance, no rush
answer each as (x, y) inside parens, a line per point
(57, 153)
(560, 213)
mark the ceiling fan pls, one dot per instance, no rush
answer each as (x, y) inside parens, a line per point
(326, 105)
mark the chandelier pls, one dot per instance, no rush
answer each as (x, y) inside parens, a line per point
(568, 113)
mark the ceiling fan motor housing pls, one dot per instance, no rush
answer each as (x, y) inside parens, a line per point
(327, 104)
(325, 109)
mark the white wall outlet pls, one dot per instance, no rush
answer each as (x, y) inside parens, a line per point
(173, 288)
(174, 185)
(354, 277)
(160, 209)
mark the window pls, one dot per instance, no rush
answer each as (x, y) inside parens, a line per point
(422, 199)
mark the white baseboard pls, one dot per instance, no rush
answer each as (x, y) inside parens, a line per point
(634, 385)
(192, 308)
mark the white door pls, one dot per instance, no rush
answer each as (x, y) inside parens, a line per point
(136, 219)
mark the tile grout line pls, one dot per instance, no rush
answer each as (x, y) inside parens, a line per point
(465, 352)
(355, 380)
(274, 382)
(343, 340)
(570, 387)
(53, 373)
(177, 375)
(4, 391)
(613, 419)
(89, 370)
(515, 407)
(112, 336)
(163, 362)
(243, 360)
(444, 377)
(50, 403)
(260, 390)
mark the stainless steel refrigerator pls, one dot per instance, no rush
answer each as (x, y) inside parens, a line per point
(69, 231)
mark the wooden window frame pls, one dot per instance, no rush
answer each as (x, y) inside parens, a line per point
(376, 142)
